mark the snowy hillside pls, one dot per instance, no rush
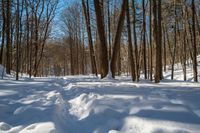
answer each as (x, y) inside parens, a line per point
(86, 104)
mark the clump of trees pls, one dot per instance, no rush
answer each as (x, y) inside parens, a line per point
(25, 27)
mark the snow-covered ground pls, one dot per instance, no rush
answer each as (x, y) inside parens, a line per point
(87, 104)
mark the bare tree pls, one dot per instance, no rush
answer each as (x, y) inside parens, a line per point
(116, 46)
(88, 25)
(102, 38)
(194, 59)
(8, 37)
(131, 59)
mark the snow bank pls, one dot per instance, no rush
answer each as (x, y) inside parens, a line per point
(143, 125)
(45, 127)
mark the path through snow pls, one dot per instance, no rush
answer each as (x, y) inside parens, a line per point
(85, 104)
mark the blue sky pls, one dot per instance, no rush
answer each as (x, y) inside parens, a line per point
(56, 31)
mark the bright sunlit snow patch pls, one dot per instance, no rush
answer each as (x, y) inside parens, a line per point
(7, 92)
(45, 127)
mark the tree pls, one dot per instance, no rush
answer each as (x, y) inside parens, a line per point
(3, 31)
(150, 40)
(175, 41)
(157, 61)
(90, 42)
(17, 39)
(102, 38)
(117, 39)
(135, 42)
(8, 37)
(144, 39)
(159, 47)
(130, 47)
(194, 59)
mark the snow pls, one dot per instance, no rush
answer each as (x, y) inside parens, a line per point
(87, 104)
(45, 127)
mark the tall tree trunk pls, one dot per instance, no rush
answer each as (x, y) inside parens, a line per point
(21, 53)
(31, 46)
(118, 64)
(194, 60)
(102, 38)
(8, 37)
(3, 31)
(130, 47)
(150, 41)
(160, 38)
(164, 49)
(27, 36)
(157, 61)
(109, 35)
(184, 46)
(135, 43)
(175, 41)
(36, 44)
(116, 46)
(87, 21)
(71, 56)
(144, 40)
(17, 41)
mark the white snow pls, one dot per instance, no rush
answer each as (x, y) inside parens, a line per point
(87, 104)
(45, 127)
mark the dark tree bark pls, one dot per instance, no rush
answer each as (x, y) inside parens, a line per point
(71, 56)
(87, 22)
(3, 31)
(157, 61)
(164, 49)
(109, 35)
(116, 46)
(8, 37)
(27, 36)
(175, 42)
(160, 38)
(184, 46)
(144, 40)
(194, 60)
(31, 46)
(150, 40)
(135, 43)
(102, 38)
(17, 40)
(130, 47)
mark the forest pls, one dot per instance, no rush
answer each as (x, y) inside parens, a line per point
(127, 37)
(99, 66)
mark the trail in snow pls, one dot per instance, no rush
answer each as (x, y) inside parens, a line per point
(118, 105)
(86, 104)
